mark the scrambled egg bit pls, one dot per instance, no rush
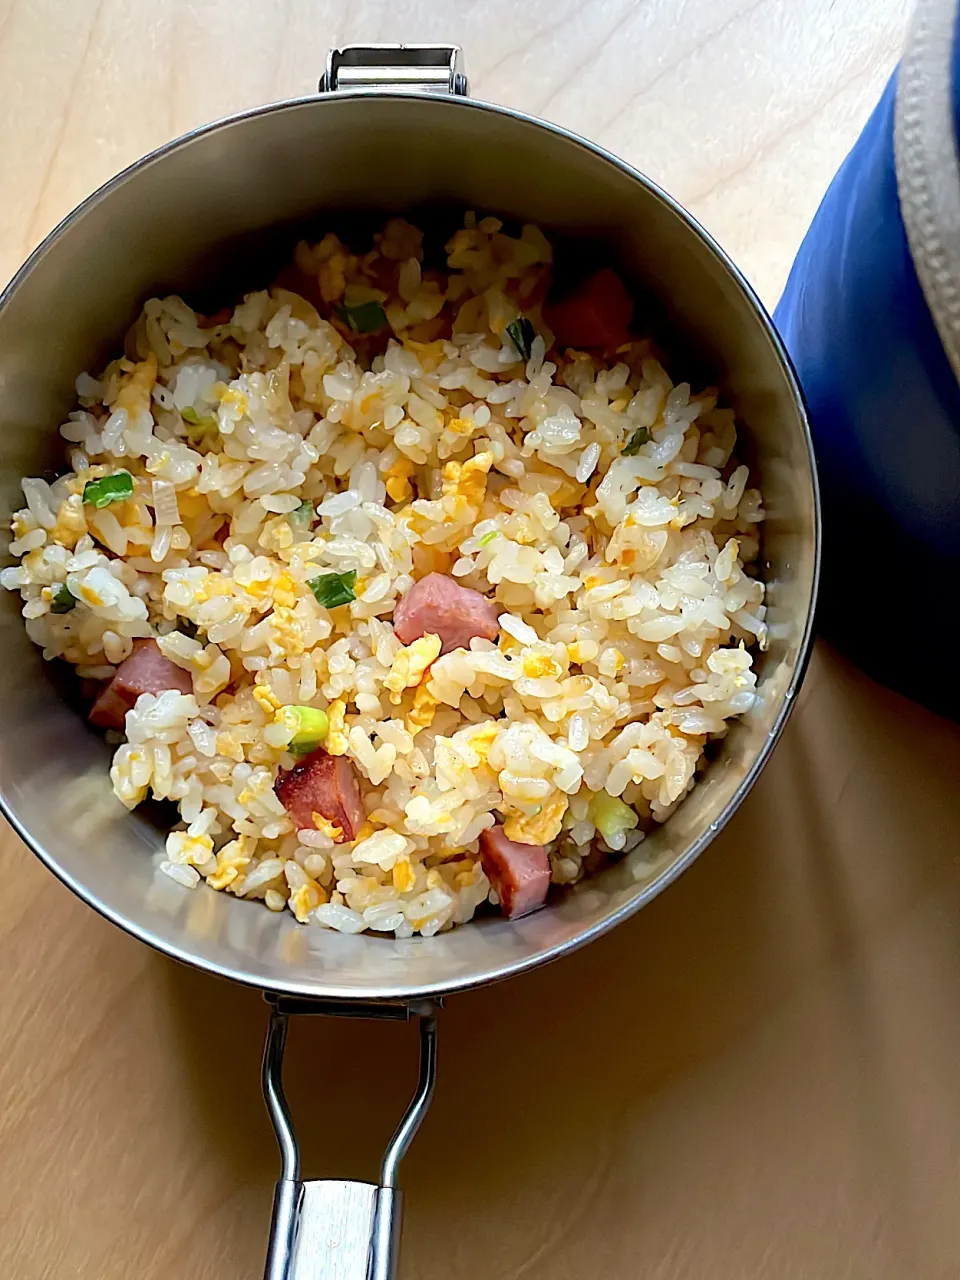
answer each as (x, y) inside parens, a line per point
(411, 663)
(404, 876)
(482, 739)
(71, 523)
(461, 426)
(233, 405)
(327, 828)
(190, 850)
(423, 710)
(541, 666)
(397, 480)
(88, 595)
(266, 698)
(284, 591)
(136, 386)
(580, 652)
(306, 898)
(465, 485)
(365, 832)
(287, 631)
(538, 828)
(336, 739)
(232, 861)
(430, 354)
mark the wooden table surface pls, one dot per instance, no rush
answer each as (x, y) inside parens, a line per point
(757, 1076)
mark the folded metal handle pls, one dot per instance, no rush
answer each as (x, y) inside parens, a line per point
(330, 1230)
(424, 68)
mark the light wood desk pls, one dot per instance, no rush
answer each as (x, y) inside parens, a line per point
(757, 1076)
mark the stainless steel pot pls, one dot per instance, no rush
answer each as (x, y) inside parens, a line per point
(391, 130)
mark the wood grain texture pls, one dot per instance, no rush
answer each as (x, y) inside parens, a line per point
(757, 1075)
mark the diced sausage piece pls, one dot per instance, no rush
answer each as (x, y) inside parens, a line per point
(223, 316)
(326, 785)
(438, 605)
(596, 315)
(145, 671)
(520, 873)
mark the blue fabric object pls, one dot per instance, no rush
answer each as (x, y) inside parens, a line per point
(885, 411)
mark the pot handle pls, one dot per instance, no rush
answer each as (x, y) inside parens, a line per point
(334, 1230)
(420, 68)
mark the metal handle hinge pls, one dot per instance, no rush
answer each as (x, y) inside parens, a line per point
(417, 68)
(339, 1230)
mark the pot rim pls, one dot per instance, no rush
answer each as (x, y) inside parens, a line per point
(669, 873)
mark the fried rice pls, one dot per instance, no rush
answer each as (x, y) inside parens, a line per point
(371, 418)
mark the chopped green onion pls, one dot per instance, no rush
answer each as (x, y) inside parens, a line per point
(488, 538)
(366, 317)
(522, 333)
(302, 517)
(332, 589)
(201, 425)
(636, 442)
(308, 724)
(116, 488)
(63, 599)
(611, 816)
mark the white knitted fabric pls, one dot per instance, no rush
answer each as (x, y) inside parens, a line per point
(928, 172)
